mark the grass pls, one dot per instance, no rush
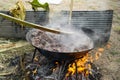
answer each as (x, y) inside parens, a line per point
(117, 29)
(118, 60)
(114, 52)
(119, 39)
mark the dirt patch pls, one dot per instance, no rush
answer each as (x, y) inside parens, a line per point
(109, 61)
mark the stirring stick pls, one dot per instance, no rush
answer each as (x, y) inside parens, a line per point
(71, 8)
(32, 25)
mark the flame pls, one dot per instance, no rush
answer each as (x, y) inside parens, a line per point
(57, 64)
(108, 45)
(100, 49)
(34, 71)
(98, 53)
(36, 59)
(84, 64)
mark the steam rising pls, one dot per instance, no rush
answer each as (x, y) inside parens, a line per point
(74, 40)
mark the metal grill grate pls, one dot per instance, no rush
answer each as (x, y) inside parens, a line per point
(9, 29)
(94, 23)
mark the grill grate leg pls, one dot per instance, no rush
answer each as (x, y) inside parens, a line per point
(34, 54)
(76, 71)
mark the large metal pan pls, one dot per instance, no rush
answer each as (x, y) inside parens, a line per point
(59, 55)
(62, 55)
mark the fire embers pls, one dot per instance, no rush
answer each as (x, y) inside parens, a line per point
(43, 69)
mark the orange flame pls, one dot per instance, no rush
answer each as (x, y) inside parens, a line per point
(100, 49)
(36, 59)
(83, 64)
(108, 45)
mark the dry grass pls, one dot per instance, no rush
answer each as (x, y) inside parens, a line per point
(117, 29)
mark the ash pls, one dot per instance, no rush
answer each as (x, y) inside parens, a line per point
(45, 69)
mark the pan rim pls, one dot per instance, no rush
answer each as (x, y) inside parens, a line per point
(66, 52)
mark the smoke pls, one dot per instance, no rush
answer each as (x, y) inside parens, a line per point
(77, 39)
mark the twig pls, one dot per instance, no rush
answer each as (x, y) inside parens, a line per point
(5, 74)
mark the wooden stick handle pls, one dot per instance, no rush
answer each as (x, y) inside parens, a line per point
(28, 24)
(71, 9)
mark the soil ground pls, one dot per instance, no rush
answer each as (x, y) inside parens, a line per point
(108, 62)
